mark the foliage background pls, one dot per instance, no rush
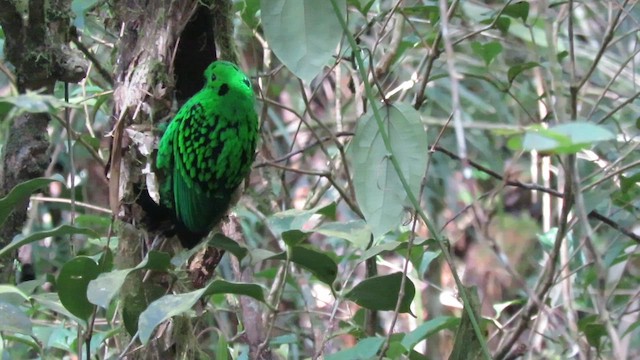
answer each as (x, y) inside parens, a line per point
(512, 123)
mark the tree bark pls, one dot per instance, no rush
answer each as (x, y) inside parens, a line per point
(143, 94)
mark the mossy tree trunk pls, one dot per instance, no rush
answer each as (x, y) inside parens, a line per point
(143, 93)
(37, 46)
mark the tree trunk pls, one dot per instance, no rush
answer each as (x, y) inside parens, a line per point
(143, 93)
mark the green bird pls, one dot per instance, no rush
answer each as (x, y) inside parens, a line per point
(207, 151)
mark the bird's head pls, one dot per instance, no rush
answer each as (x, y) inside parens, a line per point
(226, 78)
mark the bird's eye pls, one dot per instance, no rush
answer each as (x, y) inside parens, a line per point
(224, 89)
(214, 77)
(247, 82)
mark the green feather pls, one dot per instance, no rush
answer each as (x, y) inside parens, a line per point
(208, 148)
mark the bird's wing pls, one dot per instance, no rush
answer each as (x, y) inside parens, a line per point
(196, 206)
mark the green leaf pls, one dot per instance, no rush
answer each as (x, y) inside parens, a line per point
(62, 230)
(72, 283)
(106, 286)
(163, 309)
(593, 330)
(381, 248)
(14, 319)
(319, 264)
(428, 328)
(363, 6)
(294, 237)
(224, 287)
(303, 34)
(248, 11)
(565, 138)
(294, 219)
(356, 232)
(503, 24)
(22, 192)
(101, 290)
(222, 242)
(377, 186)
(52, 302)
(171, 305)
(487, 51)
(135, 302)
(516, 70)
(99, 223)
(518, 10)
(381, 293)
(421, 11)
(365, 349)
(12, 295)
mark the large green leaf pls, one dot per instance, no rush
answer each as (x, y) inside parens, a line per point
(106, 286)
(381, 293)
(72, 283)
(303, 34)
(378, 189)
